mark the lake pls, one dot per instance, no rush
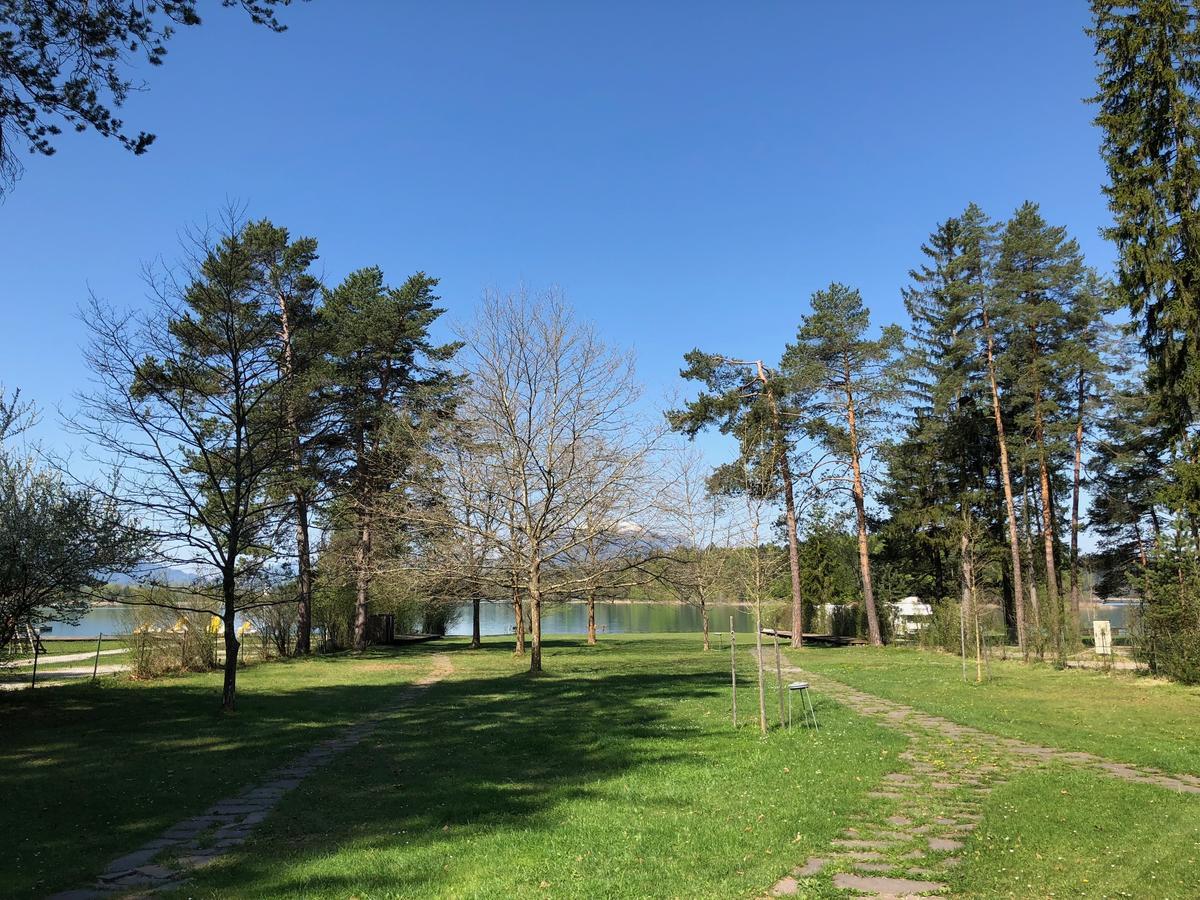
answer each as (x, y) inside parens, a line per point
(611, 618)
(496, 618)
(571, 618)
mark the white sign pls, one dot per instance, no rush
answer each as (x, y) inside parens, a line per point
(1102, 631)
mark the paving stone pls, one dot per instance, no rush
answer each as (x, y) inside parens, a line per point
(810, 868)
(198, 860)
(786, 887)
(942, 844)
(880, 834)
(899, 820)
(878, 884)
(132, 860)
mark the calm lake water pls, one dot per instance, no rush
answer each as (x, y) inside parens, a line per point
(571, 618)
(611, 618)
(496, 618)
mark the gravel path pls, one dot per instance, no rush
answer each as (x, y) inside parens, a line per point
(56, 677)
(165, 862)
(905, 845)
(55, 658)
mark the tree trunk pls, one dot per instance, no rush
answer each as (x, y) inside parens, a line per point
(1141, 547)
(362, 564)
(762, 688)
(518, 620)
(304, 579)
(704, 622)
(535, 617)
(778, 675)
(1034, 605)
(969, 601)
(1052, 595)
(789, 504)
(476, 642)
(229, 596)
(300, 502)
(591, 609)
(1075, 486)
(860, 508)
(1014, 543)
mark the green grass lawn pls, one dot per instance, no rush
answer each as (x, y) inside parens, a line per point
(1073, 834)
(616, 774)
(1123, 717)
(88, 772)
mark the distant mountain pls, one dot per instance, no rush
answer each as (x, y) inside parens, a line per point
(141, 573)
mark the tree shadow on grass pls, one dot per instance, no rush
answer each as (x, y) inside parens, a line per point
(89, 772)
(475, 758)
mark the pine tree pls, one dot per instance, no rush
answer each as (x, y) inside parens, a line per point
(854, 380)
(1039, 271)
(748, 401)
(1127, 481)
(282, 268)
(383, 367)
(973, 271)
(1149, 111)
(950, 444)
(190, 398)
(1088, 337)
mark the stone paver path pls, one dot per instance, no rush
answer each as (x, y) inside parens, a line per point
(165, 862)
(905, 845)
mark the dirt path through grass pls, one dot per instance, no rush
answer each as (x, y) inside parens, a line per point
(908, 842)
(165, 862)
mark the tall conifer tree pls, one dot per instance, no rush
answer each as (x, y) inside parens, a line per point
(855, 380)
(1038, 273)
(1148, 53)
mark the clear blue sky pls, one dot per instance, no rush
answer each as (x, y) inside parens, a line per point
(688, 172)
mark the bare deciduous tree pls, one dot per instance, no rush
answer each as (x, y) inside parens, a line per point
(557, 442)
(698, 524)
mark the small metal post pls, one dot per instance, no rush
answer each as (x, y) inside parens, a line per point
(96, 664)
(36, 648)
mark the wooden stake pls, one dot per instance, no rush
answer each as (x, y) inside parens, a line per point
(778, 676)
(962, 634)
(733, 667)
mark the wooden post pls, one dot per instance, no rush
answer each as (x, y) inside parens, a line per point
(96, 664)
(733, 667)
(962, 635)
(778, 675)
